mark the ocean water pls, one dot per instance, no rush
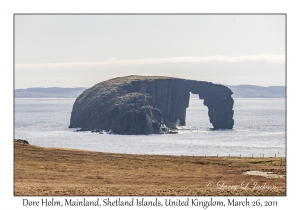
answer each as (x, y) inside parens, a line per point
(259, 130)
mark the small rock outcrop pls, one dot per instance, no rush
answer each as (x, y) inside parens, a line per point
(21, 141)
(148, 105)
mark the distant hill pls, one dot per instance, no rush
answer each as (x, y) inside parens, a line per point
(53, 92)
(239, 91)
(252, 91)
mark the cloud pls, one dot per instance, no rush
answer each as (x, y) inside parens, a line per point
(113, 62)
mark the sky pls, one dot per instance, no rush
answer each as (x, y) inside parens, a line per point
(83, 50)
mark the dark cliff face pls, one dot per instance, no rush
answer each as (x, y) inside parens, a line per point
(148, 105)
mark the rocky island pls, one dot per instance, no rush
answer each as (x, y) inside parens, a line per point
(148, 105)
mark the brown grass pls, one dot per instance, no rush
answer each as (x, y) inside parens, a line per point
(49, 171)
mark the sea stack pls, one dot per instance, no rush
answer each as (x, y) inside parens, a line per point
(148, 105)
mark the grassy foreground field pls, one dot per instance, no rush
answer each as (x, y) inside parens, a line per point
(49, 171)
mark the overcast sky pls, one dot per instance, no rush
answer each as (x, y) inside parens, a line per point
(82, 50)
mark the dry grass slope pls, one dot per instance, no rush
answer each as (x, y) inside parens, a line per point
(49, 171)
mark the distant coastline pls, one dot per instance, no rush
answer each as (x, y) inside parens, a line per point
(53, 92)
(253, 91)
(239, 91)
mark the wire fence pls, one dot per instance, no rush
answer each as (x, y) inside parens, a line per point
(273, 160)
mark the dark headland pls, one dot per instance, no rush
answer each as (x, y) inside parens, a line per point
(148, 105)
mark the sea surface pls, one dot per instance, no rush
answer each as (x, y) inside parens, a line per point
(259, 130)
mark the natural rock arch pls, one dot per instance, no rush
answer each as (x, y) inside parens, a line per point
(146, 105)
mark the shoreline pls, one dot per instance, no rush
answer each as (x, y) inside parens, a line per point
(60, 171)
